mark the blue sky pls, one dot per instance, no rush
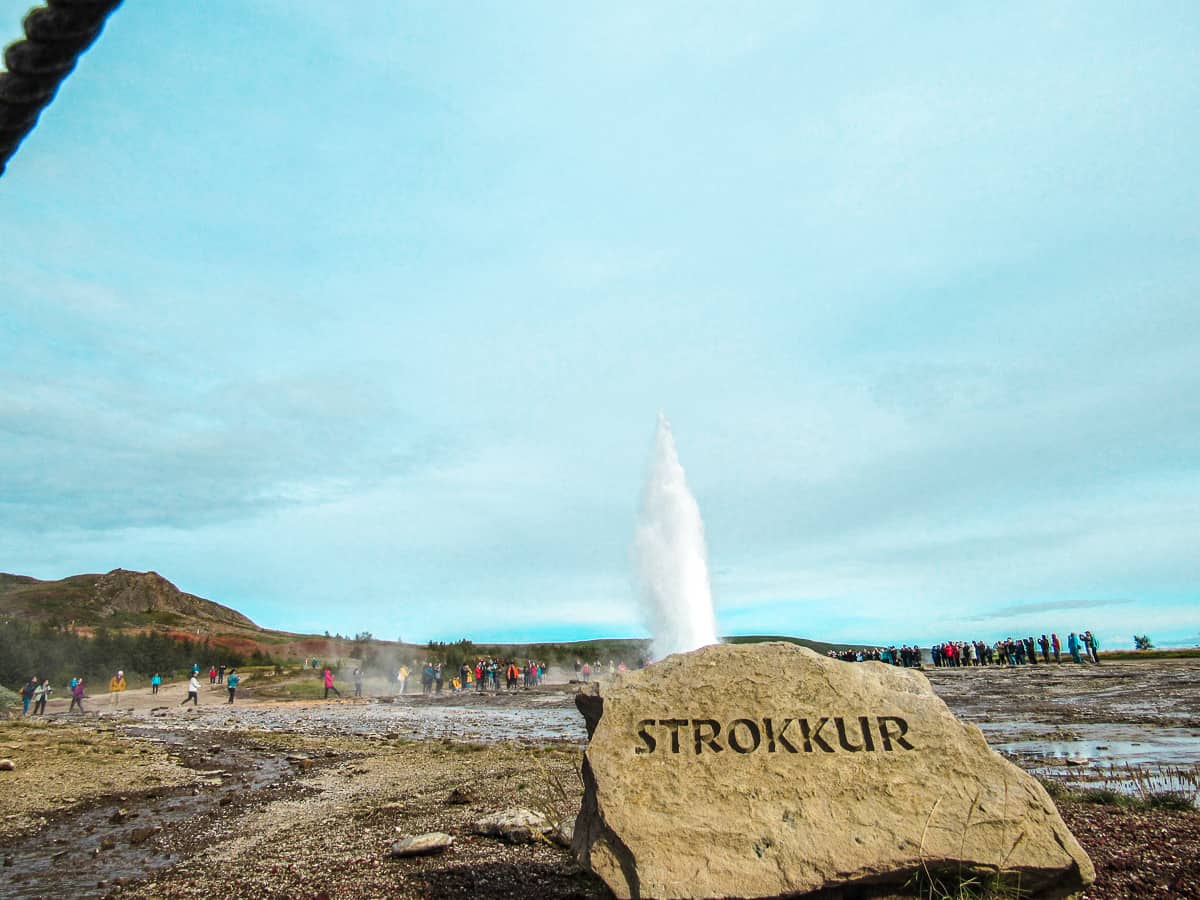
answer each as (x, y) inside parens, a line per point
(361, 321)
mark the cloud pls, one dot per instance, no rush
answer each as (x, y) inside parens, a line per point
(1048, 606)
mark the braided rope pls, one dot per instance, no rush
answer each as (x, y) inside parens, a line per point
(56, 34)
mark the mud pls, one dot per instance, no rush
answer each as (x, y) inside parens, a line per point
(95, 846)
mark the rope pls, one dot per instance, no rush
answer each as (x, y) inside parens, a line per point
(56, 35)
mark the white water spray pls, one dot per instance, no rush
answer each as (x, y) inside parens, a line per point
(670, 556)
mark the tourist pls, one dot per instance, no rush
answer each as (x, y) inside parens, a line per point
(586, 672)
(402, 678)
(1056, 646)
(27, 694)
(1093, 645)
(437, 676)
(1073, 647)
(76, 695)
(1044, 643)
(232, 683)
(212, 675)
(155, 683)
(221, 673)
(196, 669)
(358, 682)
(427, 677)
(40, 695)
(193, 693)
(116, 685)
(329, 685)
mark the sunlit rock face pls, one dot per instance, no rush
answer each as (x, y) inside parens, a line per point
(761, 770)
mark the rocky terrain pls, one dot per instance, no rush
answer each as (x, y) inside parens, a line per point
(276, 798)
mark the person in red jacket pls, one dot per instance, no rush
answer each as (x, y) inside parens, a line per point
(329, 685)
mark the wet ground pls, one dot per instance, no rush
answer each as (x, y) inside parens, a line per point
(125, 837)
(1124, 724)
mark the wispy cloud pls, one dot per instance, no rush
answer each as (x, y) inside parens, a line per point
(1020, 609)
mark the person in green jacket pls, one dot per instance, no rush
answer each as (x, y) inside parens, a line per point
(232, 681)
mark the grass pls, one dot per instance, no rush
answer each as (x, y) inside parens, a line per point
(1135, 787)
(933, 885)
(1178, 653)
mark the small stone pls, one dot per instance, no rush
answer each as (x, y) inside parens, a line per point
(8, 861)
(515, 825)
(143, 834)
(7, 765)
(119, 816)
(107, 844)
(461, 796)
(422, 845)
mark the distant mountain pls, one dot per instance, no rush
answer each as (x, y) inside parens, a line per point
(120, 598)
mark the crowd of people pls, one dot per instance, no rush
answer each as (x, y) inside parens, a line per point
(1082, 647)
(36, 692)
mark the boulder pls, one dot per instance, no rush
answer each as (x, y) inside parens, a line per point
(516, 825)
(7, 765)
(422, 844)
(767, 769)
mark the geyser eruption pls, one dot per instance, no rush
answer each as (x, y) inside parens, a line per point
(670, 557)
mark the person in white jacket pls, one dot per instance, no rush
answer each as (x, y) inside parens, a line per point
(193, 692)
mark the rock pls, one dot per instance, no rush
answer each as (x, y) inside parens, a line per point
(107, 843)
(767, 769)
(422, 845)
(8, 861)
(7, 765)
(143, 834)
(461, 796)
(1076, 761)
(120, 816)
(516, 825)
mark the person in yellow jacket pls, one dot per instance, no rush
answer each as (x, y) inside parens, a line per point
(116, 685)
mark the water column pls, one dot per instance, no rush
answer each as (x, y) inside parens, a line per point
(670, 557)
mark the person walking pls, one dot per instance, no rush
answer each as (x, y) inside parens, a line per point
(77, 695)
(116, 685)
(221, 673)
(1092, 645)
(358, 682)
(232, 683)
(1073, 647)
(155, 683)
(40, 695)
(27, 694)
(329, 686)
(1057, 645)
(193, 693)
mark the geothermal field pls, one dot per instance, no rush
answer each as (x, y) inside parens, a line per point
(305, 798)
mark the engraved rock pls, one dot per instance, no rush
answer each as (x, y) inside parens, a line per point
(767, 769)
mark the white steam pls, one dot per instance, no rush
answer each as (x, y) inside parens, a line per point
(670, 556)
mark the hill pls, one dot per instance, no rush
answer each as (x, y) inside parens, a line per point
(118, 599)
